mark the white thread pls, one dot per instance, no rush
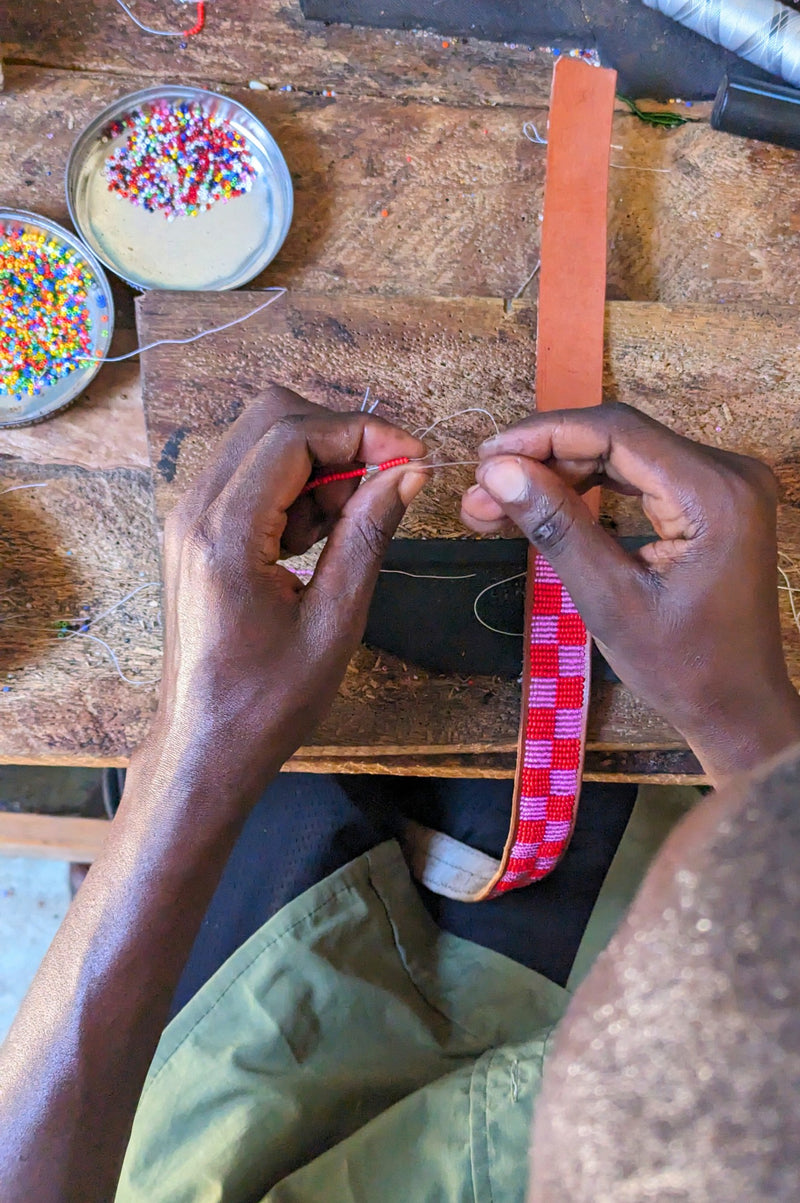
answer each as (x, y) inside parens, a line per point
(540, 141)
(514, 1075)
(523, 286)
(182, 342)
(636, 167)
(535, 136)
(114, 660)
(62, 636)
(488, 589)
(366, 399)
(459, 463)
(788, 588)
(428, 577)
(111, 609)
(420, 434)
(42, 484)
(160, 33)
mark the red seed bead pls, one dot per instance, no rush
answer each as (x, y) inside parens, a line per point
(353, 474)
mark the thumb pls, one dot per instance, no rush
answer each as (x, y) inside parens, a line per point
(601, 578)
(351, 560)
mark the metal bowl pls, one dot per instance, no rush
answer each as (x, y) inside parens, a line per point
(23, 409)
(221, 248)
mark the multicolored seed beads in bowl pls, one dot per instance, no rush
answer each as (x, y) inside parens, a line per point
(177, 159)
(200, 160)
(56, 317)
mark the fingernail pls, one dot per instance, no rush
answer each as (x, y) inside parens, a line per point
(505, 480)
(472, 489)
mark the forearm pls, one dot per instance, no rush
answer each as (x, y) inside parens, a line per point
(73, 1066)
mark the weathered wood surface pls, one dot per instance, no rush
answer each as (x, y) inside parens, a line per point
(662, 765)
(667, 766)
(718, 219)
(722, 375)
(270, 42)
(462, 188)
(717, 222)
(52, 837)
(104, 429)
(68, 551)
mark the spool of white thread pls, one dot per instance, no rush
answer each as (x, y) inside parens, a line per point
(764, 32)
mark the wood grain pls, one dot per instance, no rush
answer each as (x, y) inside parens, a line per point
(271, 42)
(69, 551)
(425, 359)
(461, 187)
(693, 216)
(51, 837)
(666, 766)
(104, 429)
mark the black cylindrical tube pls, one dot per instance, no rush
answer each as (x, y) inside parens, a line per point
(755, 109)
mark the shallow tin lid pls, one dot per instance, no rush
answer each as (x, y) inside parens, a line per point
(221, 247)
(19, 407)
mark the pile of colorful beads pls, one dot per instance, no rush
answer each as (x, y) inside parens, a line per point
(45, 326)
(177, 160)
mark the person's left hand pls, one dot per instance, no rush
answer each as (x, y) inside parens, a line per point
(253, 657)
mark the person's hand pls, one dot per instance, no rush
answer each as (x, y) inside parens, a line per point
(691, 622)
(253, 658)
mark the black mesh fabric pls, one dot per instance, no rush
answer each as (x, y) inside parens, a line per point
(308, 825)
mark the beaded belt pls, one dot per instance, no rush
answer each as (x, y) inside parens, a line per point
(569, 374)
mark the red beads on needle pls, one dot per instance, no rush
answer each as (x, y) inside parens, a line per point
(354, 473)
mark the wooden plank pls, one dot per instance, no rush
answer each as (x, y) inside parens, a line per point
(271, 42)
(494, 765)
(461, 188)
(104, 429)
(52, 837)
(62, 708)
(706, 222)
(69, 551)
(665, 766)
(694, 215)
(715, 222)
(425, 359)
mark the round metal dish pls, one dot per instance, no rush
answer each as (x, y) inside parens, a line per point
(23, 409)
(221, 248)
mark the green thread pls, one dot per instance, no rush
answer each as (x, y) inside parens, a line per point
(667, 120)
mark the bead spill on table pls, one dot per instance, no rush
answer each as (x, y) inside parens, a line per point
(45, 322)
(177, 159)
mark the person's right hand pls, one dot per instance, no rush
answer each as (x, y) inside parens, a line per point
(691, 622)
(252, 657)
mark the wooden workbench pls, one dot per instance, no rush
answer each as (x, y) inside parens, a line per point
(413, 181)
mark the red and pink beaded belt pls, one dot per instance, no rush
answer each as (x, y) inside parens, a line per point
(569, 374)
